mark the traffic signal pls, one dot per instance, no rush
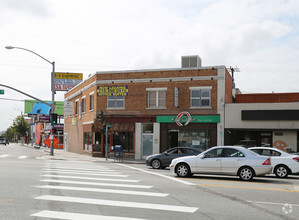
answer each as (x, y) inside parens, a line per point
(102, 117)
(53, 131)
(103, 129)
(53, 118)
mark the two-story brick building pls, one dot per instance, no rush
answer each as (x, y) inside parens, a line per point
(149, 111)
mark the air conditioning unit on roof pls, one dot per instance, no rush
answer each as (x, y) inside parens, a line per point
(191, 61)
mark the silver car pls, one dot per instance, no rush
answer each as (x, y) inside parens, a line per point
(223, 160)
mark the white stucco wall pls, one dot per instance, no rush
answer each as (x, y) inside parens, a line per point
(220, 104)
(233, 116)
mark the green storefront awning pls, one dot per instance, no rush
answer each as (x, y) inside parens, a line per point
(195, 119)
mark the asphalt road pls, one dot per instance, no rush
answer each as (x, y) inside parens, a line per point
(35, 185)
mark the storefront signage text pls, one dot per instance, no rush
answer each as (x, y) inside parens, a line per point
(112, 90)
(66, 81)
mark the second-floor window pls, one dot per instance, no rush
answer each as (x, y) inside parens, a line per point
(91, 106)
(83, 105)
(115, 101)
(200, 96)
(156, 97)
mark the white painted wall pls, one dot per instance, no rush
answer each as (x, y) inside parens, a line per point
(138, 141)
(233, 116)
(156, 139)
(220, 104)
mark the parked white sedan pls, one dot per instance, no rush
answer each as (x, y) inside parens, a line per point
(223, 160)
(283, 163)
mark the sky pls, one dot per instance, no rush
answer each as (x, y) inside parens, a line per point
(260, 37)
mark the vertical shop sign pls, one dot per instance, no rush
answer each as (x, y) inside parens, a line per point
(176, 97)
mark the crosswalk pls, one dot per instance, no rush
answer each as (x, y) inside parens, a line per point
(21, 157)
(101, 186)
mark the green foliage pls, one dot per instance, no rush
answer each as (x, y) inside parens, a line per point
(19, 128)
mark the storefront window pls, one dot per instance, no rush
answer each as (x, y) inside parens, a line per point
(125, 139)
(97, 141)
(87, 141)
(148, 128)
(197, 139)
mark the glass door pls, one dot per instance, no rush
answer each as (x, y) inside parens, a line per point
(147, 143)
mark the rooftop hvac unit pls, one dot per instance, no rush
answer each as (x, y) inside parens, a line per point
(191, 61)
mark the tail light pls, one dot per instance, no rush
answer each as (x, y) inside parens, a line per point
(267, 162)
(296, 159)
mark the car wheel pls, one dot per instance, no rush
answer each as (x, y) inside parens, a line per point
(281, 171)
(246, 173)
(183, 170)
(156, 164)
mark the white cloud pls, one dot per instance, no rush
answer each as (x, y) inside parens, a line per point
(87, 36)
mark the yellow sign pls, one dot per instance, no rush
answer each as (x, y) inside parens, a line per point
(112, 90)
(69, 76)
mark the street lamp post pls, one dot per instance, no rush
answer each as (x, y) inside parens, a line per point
(52, 87)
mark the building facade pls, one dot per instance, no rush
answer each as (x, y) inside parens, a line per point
(263, 120)
(148, 111)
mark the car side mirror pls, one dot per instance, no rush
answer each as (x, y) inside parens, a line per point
(202, 156)
(166, 153)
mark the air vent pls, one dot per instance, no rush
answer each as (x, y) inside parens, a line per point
(191, 61)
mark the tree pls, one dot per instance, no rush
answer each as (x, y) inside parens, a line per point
(10, 134)
(20, 128)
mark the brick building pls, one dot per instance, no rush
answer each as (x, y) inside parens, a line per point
(149, 111)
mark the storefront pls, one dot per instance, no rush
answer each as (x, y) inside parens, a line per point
(184, 129)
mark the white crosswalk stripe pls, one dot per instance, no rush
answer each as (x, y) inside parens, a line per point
(90, 178)
(4, 155)
(119, 203)
(77, 216)
(99, 181)
(81, 171)
(93, 174)
(22, 157)
(140, 193)
(97, 184)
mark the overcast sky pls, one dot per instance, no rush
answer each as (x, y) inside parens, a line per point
(258, 36)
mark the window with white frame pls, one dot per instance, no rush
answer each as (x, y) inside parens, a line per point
(83, 104)
(116, 101)
(156, 97)
(200, 96)
(77, 107)
(91, 104)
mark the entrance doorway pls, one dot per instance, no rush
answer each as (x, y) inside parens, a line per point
(147, 140)
(173, 138)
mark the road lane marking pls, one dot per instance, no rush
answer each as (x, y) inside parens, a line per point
(82, 171)
(127, 192)
(98, 184)
(158, 174)
(92, 174)
(155, 206)
(90, 178)
(231, 181)
(4, 155)
(271, 203)
(248, 187)
(80, 168)
(22, 157)
(77, 216)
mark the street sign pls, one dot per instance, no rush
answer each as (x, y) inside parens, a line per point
(68, 108)
(1, 91)
(48, 142)
(66, 81)
(109, 125)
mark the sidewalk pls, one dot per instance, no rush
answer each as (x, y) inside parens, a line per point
(61, 154)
